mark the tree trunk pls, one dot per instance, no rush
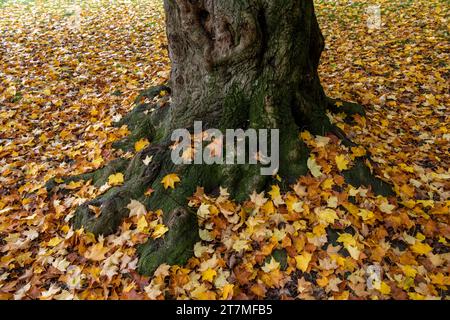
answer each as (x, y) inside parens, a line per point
(235, 64)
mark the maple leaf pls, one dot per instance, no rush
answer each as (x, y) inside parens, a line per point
(116, 179)
(169, 180)
(47, 294)
(147, 160)
(327, 215)
(321, 141)
(421, 248)
(358, 152)
(208, 275)
(54, 241)
(314, 167)
(159, 231)
(141, 145)
(203, 211)
(227, 291)
(342, 162)
(96, 252)
(258, 198)
(276, 195)
(385, 207)
(271, 266)
(142, 224)
(384, 288)
(302, 261)
(136, 209)
(153, 291)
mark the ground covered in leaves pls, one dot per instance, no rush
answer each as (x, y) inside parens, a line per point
(62, 86)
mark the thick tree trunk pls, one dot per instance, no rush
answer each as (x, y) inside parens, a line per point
(235, 64)
(265, 52)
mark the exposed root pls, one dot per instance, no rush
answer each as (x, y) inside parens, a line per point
(360, 175)
(349, 108)
(149, 120)
(177, 245)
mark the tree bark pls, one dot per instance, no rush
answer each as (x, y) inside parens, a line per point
(235, 64)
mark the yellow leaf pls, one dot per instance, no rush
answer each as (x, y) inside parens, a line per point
(142, 224)
(322, 282)
(366, 214)
(421, 248)
(97, 161)
(74, 185)
(54, 242)
(275, 192)
(440, 279)
(347, 239)
(115, 179)
(170, 180)
(305, 136)
(43, 138)
(343, 296)
(358, 152)
(268, 207)
(209, 274)
(342, 162)
(10, 91)
(409, 271)
(415, 296)
(327, 184)
(96, 252)
(384, 288)
(303, 261)
(227, 291)
(327, 215)
(141, 145)
(159, 231)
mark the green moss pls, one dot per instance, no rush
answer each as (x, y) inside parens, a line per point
(175, 248)
(280, 256)
(360, 175)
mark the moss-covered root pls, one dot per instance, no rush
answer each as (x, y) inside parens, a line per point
(176, 247)
(145, 121)
(360, 175)
(349, 108)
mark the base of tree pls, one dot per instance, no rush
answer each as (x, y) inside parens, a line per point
(148, 120)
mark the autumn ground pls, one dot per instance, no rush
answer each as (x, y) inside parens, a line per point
(62, 88)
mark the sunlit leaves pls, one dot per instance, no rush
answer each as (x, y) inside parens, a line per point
(326, 228)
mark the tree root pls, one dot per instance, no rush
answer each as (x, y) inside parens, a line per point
(150, 121)
(360, 175)
(175, 248)
(349, 108)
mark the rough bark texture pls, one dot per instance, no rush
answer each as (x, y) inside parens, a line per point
(235, 64)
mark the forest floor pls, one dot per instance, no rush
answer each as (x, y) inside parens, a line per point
(64, 83)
